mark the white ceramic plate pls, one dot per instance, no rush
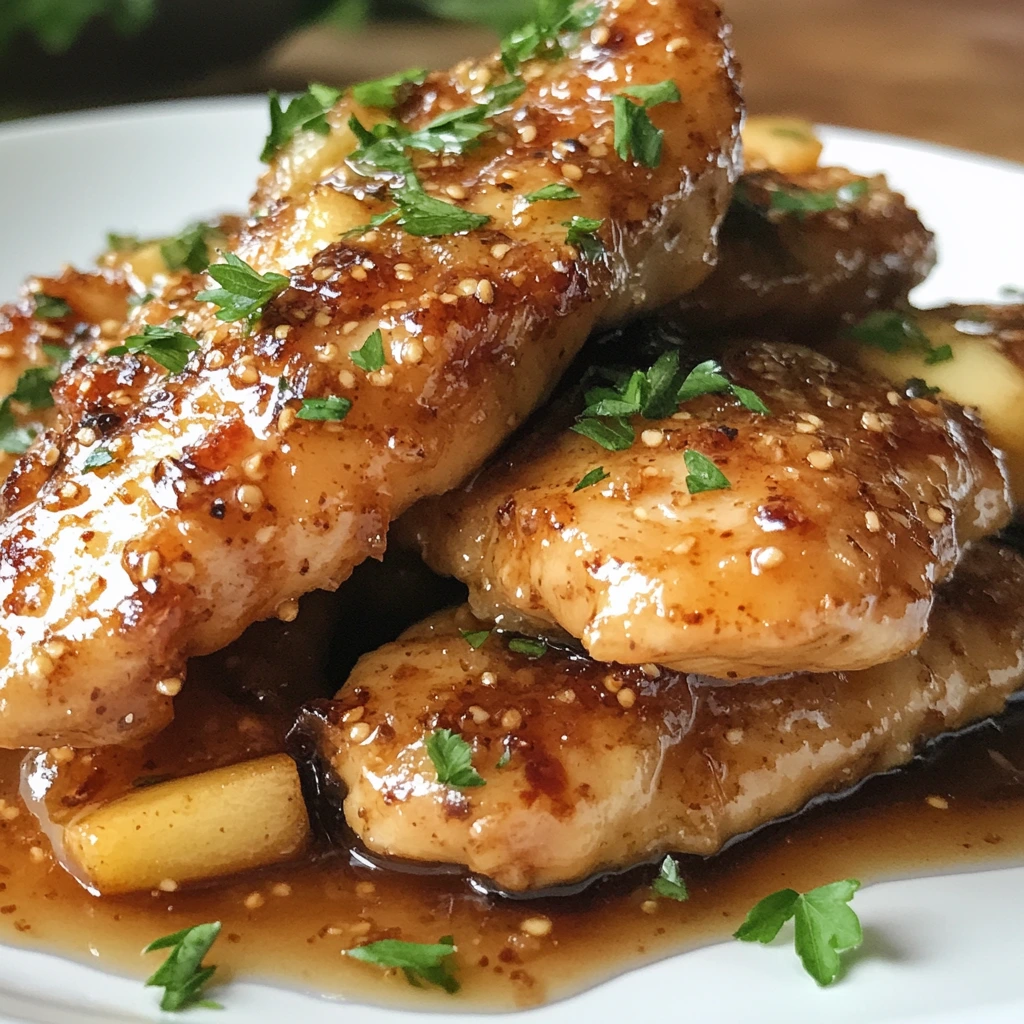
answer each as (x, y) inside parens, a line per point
(943, 949)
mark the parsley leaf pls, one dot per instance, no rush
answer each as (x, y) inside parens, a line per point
(527, 647)
(792, 199)
(476, 638)
(32, 389)
(419, 961)
(703, 474)
(49, 307)
(894, 331)
(97, 458)
(329, 408)
(554, 191)
(825, 925)
(383, 92)
(453, 759)
(164, 345)
(539, 38)
(123, 243)
(506, 756)
(427, 217)
(243, 294)
(613, 433)
(370, 357)
(669, 883)
(581, 236)
(188, 250)
(182, 975)
(304, 113)
(595, 476)
(707, 378)
(635, 134)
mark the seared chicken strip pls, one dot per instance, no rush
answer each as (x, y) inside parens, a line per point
(220, 502)
(609, 765)
(792, 257)
(840, 513)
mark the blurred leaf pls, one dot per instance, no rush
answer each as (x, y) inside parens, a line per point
(56, 24)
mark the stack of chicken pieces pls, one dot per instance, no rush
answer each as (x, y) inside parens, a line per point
(653, 657)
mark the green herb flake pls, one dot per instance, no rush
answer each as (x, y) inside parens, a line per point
(506, 756)
(802, 201)
(304, 113)
(708, 378)
(97, 459)
(243, 294)
(527, 647)
(540, 38)
(123, 243)
(164, 345)
(476, 638)
(581, 235)
(915, 387)
(669, 883)
(595, 476)
(49, 307)
(419, 961)
(654, 95)
(703, 475)
(188, 250)
(427, 217)
(554, 192)
(182, 975)
(453, 759)
(614, 433)
(384, 92)
(635, 135)
(825, 925)
(32, 388)
(330, 408)
(370, 357)
(894, 331)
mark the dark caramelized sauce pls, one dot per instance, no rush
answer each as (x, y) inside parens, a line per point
(958, 808)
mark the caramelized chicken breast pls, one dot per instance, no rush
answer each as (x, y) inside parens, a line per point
(840, 513)
(809, 250)
(220, 501)
(608, 765)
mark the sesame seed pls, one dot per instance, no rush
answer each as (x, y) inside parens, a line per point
(456, 191)
(86, 436)
(598, 149)
(358, 274)
(264, 533)
(649, 906)
(488, 679)
(327, 353)
(600, 35)
(39, 666)
(322, 273)
(403, 271)
(893, 397)
(167, 885)
(169, 687)
(653, 438)
(485, 292)
(872, 522)
(365, 888)
(537, 927)
(806, 428)
(346, 378)
(734, 736)
(873, 422)
(286, 419)
(322, 319)
(10, 813)
(467, 286)
(37, 853)
(281, 889)
(650, 670)
(572, 171)
(640, 513)
(51, 455)
(940, 803)
(567, 696)
(412, 351)
(381, 378)
(682, 415)
(353, 714)
(253, 467)
(509, 175)
(350, 327)
(768, 558)
(249, 496)
(68, 490)
(528, 133)
(500, 251)
(150, 564)
(936, 514)
(478, 714)
(626, 697)
(684, 546)
(448, 299)
(679, 43)
(246, 374)
(359, 732)
(359, 928)
(62, 755)
(281, 331)
(253, 901)
(287, 610)
(511, 719)
(612, 683)
(215, 360)
(819, 459)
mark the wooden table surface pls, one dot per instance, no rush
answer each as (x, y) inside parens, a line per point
(949, 71)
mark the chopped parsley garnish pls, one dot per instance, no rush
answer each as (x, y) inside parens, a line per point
(425, 216)
(915, 387)
(182, 975)
(330, 408)
(453, 759)
(527, 647)
(370, 357)
(669, 883)
(540, 37)
(595, 476)
(612, 433)
(243, 294)
(825, 925)
(803, 201)
(555, 191)
(703, 474)
(384, 92)
(97, 459)
(707, 378)
(49, 307)
(164, 345)
(506, 756)
(476, 638)
(188, 250)
(581, 236)
(304, 113)
(32, 389)
(635, 135)
(419, 961)
(123, 243)
(894, 331)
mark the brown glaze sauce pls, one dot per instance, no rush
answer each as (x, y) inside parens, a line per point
(957, 808)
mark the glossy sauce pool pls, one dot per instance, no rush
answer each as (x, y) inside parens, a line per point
(959, 808)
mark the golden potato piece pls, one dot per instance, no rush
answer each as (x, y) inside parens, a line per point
(202, 826)
(786, 144)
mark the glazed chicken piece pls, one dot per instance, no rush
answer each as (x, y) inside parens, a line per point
(784, 268)
(610, 765)
(843, 509)
(221, 504)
